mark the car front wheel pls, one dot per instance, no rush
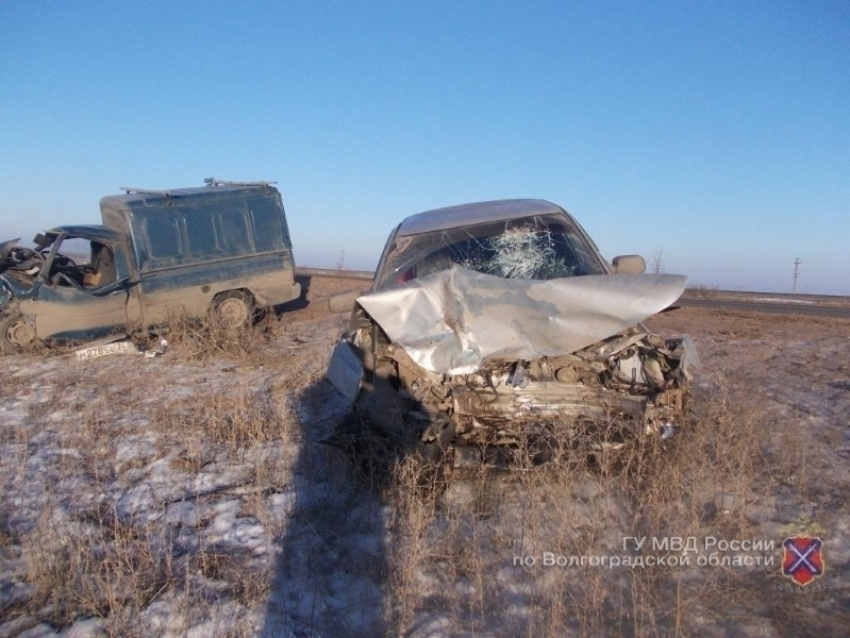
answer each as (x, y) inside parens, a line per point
(16, 334)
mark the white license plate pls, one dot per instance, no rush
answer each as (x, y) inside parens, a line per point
(119, 347)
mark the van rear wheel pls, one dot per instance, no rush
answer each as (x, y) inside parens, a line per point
(16, 334)
(234, 309)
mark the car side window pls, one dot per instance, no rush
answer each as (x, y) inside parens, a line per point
(233, 238)
(268, 228)
(163, 237)
(200, 233)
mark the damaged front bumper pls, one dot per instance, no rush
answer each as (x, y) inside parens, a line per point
(481, 414)
(640, 387)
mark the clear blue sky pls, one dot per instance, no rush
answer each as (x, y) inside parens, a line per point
(716, 132)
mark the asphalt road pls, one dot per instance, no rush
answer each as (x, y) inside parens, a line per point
(782, 308)
(789, 306)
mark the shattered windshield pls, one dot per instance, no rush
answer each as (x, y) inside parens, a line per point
(546, 247)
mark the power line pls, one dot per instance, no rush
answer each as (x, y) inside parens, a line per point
(796, 274)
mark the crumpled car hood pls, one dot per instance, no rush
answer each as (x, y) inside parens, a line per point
(451, 321)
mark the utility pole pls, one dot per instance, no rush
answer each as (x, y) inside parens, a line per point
(796, 274)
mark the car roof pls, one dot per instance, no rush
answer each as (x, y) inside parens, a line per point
(88, 231)
(476, 213)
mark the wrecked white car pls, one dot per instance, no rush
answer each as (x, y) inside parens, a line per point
(498, 325)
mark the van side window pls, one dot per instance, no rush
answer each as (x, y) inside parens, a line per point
(233, 237)
(268, 229)
(163, 237)
(200, 233)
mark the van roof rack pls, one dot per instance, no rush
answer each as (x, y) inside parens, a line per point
(212, 181)
(143, 191)
(209, 181)
(147, 191)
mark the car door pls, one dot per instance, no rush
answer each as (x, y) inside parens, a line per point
(67, 312)
(88, 305)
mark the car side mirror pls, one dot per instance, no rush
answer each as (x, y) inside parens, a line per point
(629, 265)
(344, 301)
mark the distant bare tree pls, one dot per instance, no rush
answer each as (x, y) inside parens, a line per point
(658, 261)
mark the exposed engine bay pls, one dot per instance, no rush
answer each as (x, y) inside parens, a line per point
(480, 360)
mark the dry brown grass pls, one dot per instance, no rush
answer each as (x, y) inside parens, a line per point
(95, 559)
(456, 554)
(93, 567)
(209, 338)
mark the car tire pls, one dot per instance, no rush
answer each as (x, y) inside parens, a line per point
(16, 334)
(234, 309)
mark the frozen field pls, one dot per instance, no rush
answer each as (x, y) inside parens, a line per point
(188, 495)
